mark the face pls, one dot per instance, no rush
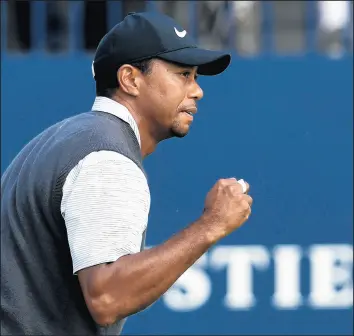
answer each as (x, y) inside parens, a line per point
(169, 95)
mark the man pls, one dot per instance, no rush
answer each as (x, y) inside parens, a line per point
(75, 201)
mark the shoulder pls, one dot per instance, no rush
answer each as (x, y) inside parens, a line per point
(110, 160)
(107, 162)
(107, 173)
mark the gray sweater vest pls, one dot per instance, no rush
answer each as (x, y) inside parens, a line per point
(39, 293)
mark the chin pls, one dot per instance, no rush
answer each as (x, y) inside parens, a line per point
(179, 131)
(180, 135)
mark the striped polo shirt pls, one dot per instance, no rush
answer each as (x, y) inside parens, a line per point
(108, 193)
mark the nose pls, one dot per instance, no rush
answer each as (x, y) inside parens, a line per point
(196, 92)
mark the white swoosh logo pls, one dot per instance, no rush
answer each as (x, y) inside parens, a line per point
(180, 34)
(93, 69)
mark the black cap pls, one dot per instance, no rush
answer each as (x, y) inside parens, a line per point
(146, 35)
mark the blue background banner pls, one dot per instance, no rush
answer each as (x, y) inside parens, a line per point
(283, 124)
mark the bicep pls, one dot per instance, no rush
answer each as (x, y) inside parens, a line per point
(105, 207)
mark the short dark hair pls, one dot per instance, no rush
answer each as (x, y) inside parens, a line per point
(104, 91)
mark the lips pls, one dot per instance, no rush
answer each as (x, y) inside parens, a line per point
(190, 110)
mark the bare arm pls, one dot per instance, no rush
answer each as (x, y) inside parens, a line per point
(117, 290)
(105, 206)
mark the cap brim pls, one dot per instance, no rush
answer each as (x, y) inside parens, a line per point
(209, 62)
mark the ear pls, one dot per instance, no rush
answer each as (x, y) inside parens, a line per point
(128, 78)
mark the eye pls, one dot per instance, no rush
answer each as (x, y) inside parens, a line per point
(186, 74)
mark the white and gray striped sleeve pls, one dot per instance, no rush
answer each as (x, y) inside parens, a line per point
(105, 205)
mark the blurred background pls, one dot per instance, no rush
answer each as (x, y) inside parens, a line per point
(281, 117)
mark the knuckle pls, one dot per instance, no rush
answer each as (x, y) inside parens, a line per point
(221, 182)
(233, 190)
(227, 181)
(237, 189)
(239, 197)
(229, 189)
(229, 186)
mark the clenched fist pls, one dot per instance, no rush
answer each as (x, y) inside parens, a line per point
(227, 207)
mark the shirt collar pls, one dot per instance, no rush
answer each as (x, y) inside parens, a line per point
(104, 104)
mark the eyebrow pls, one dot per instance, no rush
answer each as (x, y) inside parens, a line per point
(181, 66)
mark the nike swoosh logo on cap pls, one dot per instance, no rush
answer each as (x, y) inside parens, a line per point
(180, 34)
(93, 69)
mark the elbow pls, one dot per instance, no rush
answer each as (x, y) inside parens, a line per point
(104, 305)
(108, 305)
(105, 310)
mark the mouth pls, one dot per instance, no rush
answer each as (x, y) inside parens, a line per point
(190, 111)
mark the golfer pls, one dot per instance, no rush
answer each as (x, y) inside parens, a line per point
(75, 201)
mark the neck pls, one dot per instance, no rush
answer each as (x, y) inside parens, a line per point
(148, 139)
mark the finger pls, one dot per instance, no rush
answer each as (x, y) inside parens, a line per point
(248, 199)
(240, 186)
(249, 210)
(248, 214)
(235, 188)
(245, 186)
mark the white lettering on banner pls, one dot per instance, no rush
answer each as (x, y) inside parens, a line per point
(191, 291)
(239, 262)
(331, 276)
(287, 276)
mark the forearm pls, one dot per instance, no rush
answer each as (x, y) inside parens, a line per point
(134, 282)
